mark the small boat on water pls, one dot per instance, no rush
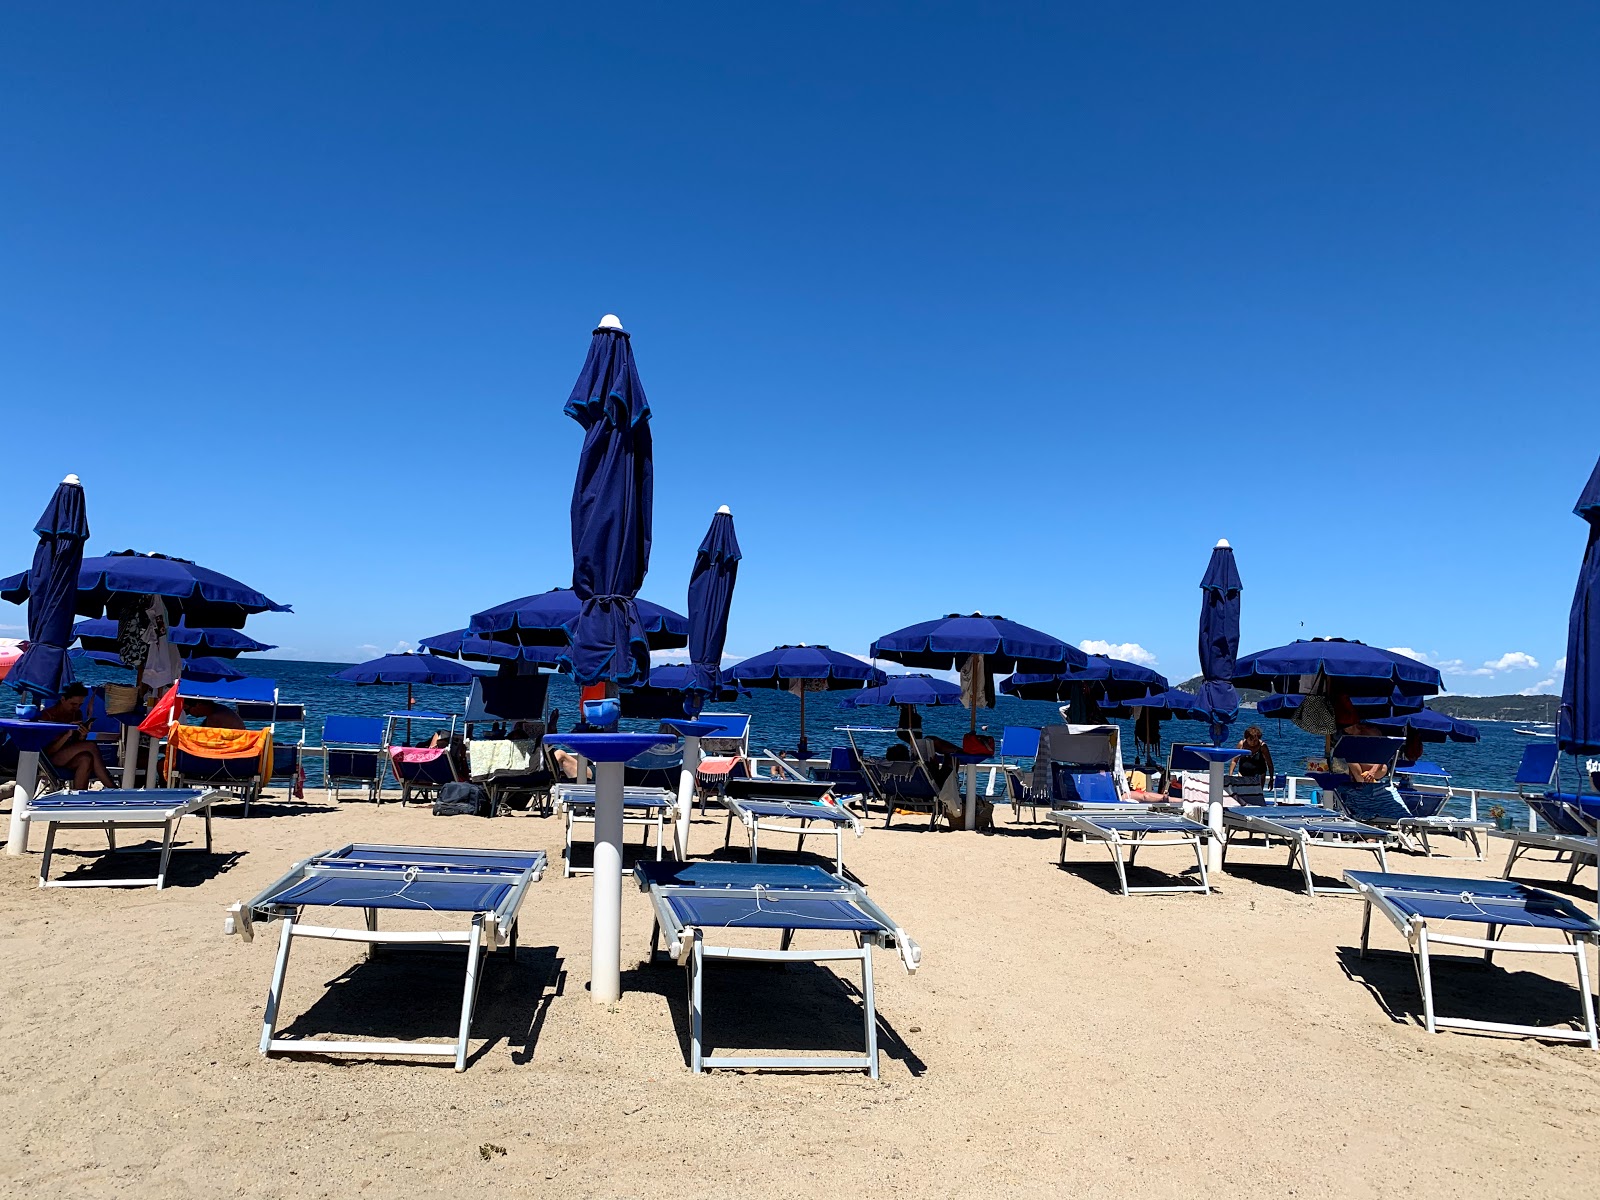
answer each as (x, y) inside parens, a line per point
(1534, 732)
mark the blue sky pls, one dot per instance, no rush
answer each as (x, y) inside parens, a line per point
(1013, 308)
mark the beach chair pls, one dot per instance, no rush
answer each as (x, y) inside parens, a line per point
(289, 765)
(1569, 833)
(486, 887)
(645, 807)
(843, 775)
(352, 755)
(237, 760)
(120, 808)
(696, 898)
(1018, 743)
(1424, 789)
(1417, 904)
(1302, 827)
(1125, 828)
(421, 771)
(723, 755)
(788, 806)
(903, 786)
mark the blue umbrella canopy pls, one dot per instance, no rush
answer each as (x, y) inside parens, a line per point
(50, 587)
(204, 597)
(1220, 587)
(199, 669)
(1368, 708)
(1173, 702)
(408, 669)
(667, 693)
(804, 669)
(921, 690)
(1101, 678)
(1337, 666)
(547, 618)
(458, 643)
(612, 500)
(100, 633)
(711, 582)
(1578, 727)
(949, 642)
(1431, 726)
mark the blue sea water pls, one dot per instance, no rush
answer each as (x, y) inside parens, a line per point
(1489, 763)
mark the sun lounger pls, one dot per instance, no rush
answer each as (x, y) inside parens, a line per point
(693, 898)
(1417, 903)
(421, 770)
(1125, 829)
(352, 753)
(788, 806)
(486, 885)
(1302, 826)
(120, 808)
(237, 760)
(645, 807)
(1569, 831)
(1425, 790)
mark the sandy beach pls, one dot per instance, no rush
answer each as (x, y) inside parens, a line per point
(1058, 1040)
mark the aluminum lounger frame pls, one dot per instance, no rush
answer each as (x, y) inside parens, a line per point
(686, 944)
(1129, 832)
(757, 813)
(1582, 849)
(159, 808)
(577, 801)
(1464, 828)
(1293, 831)
(386, 865)
(1389, 899)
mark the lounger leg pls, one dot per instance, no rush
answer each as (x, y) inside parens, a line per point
(166, 855)
(1305, 866)
(755, 835)
(1425, 972)
(269, 1018)
(727, 833)
(469, 995)
(1061, 857)
(786, 939)
(111, 837)
(1511, 858)
(1585, 997)
(1383, 858)
(1366, 925)
(372, 927)
(208, 828)
(1116, 857)
(567, 870)
(697, 965)
(1200, 861)
(871, 1010)
(838, 850)
(49, 848)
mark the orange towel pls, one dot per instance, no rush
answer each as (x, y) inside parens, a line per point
(203, 742)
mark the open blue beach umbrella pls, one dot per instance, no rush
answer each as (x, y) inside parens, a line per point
(923, 691)
(1430, 726)
(1220, 588)
(205, 598)
(804, 669)
(409, 669)
(1102, 677)
(1578, 726)
(458, 643)
(1368, 708)
(545, 619)
(977, 643)
(211, 670)
(612, 499)
(711, 583)
(1335, 666)
(666, 695)
(100, 633)
(1173, 702)
(50, 587)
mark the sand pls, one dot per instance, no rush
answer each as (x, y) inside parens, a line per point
(1058, 1040)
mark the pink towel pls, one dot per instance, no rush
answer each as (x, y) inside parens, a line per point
(416, 754)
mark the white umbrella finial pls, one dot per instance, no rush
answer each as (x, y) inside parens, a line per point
(724, 510)
(73, 479)
(611, 321)
(1222, 544)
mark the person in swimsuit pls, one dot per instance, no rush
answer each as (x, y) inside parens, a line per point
(1253, 769)
(73, 753)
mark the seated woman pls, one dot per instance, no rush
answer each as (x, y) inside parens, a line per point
(73, 754)
(1371, 794)
(1252, 771)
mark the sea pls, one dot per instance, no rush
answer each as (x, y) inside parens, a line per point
(1488, 763)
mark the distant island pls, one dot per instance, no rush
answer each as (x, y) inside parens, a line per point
(1469, 708)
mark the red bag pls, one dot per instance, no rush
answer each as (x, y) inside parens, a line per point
(162, 715)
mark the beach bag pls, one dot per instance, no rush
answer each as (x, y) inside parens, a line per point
(1315, 715)
(121, 698)
(462, 800)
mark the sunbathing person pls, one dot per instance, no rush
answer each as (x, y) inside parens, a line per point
(73, 753)
(213, 715)
(1371, 794)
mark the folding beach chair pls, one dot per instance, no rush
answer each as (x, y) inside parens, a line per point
(421, 770)
(237, 760)
(120, 808)
(903, 786)
(803, 808)
(724, 754)
(1019, 743)
(1417, 904)
(1424, 789)
(1301, 827)
(289, 765)
(645, 807)
(352, 754)
(843, 775)
(691, 899)
(1569, 832)
(486, 885)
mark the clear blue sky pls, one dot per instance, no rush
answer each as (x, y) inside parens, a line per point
(959, 307)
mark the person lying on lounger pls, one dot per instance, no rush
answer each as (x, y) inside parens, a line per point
(213, 715)
(73, 753)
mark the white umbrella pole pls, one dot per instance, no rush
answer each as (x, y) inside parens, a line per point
(130, 754)
(1214, 817)
(686, 781)
(605, 946)
(27, 781)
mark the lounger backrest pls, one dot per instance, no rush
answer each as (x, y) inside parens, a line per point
(1071, 786)
(843, 758)
(352, 731)
(1538, 766)
(1361, 748)
(1183, 758)
(1561, 813)
(1058, 744)
(1019, 741)
(733, 736)
(286, 760)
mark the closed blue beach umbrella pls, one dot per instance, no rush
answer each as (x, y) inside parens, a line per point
(711, 583)
(1219, 640)
(52, 593)
(1578, 728)
(612, 500)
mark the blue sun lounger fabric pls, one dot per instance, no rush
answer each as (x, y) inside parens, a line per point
(692, 898)
(120, 808)
(490, 885)
(1302, 826)
(1418, 904)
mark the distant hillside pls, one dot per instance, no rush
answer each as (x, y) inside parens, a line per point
(1498, 708)
(1246, 695)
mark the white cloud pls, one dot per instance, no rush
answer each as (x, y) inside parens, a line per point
(1543, 688)
(369, 649)
(1561, 663)
(1513, 660)
(1127, 651)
